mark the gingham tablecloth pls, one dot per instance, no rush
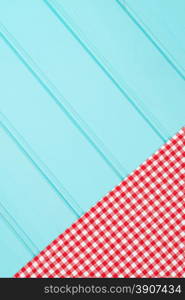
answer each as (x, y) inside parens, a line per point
(136, 230)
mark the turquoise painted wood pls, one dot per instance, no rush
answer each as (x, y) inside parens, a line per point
(87, 93)
(164, 21)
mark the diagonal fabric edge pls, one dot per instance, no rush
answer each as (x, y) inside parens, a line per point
(136, 230)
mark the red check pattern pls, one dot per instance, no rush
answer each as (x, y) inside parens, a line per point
(137, 230)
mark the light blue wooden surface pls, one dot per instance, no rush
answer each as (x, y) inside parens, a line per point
(87, 93)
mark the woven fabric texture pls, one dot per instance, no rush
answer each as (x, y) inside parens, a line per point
(136, 230)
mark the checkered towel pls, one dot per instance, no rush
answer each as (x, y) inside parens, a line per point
(136, 230)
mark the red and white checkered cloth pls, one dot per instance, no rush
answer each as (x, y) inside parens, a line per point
(137, 230)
